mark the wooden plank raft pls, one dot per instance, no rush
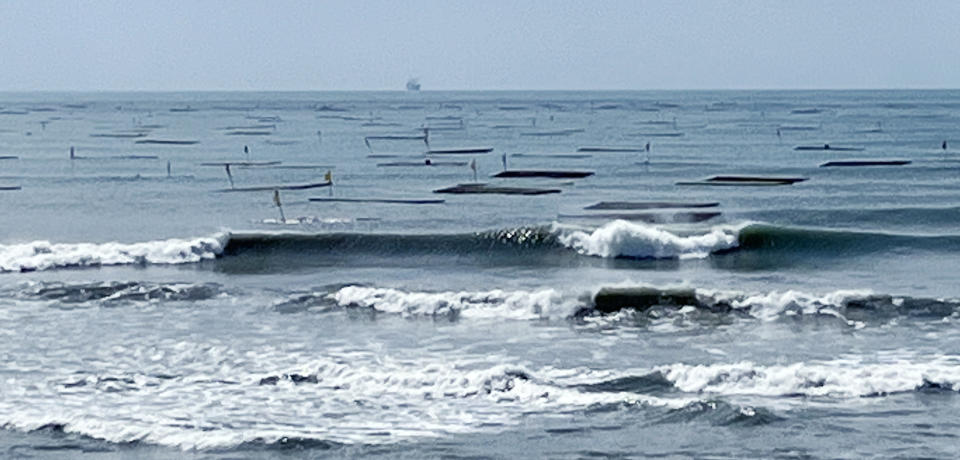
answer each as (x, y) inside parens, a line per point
(569, 156)
(826, 147)
(746, 181)
(459, 150)
(119, 135)
(165, 142)
(376, 200)
(865, 163)
(241, 163)
(679, 217)
(611, 149)
(421, 163)
(488, 189)
(263, 188)
(552, 174)
(626, 205)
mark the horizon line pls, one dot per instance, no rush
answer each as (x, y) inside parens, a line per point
(10, 91)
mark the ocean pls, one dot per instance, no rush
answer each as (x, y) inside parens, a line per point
(678, 302)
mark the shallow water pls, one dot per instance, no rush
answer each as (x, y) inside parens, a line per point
(148, 315)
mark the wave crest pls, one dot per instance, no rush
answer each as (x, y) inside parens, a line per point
(626, 239)
(839, 378)
(43, 255)
(544, 303)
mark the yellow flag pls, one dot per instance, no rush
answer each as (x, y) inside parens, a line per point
(328, 176)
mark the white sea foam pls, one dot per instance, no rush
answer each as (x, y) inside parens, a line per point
(771, 305)
(44, 255)
(544, 303)
(551, 303)
(218, 398)
(620, 238)
(371, 394)
(839, 378)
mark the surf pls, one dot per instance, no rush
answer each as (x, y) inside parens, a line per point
(545, 245)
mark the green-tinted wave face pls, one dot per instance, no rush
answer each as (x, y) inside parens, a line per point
(766, 237)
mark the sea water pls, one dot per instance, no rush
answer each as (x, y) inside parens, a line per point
(147, 314)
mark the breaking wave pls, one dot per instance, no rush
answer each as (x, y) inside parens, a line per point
(628, 305)
(43, 255)
(847, 378)
(540, 245)
(852, 307)
(544, 303)
(624, 239)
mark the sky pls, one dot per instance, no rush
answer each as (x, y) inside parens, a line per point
(289, 45)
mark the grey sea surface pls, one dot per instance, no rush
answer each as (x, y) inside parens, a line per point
(155, 314)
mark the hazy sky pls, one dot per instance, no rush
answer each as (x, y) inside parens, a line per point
(482, 44)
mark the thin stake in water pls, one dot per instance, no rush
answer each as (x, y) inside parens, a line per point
(473, 166)
(276, 201)
(229, 176)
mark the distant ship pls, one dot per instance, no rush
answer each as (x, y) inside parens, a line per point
(413, 84)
